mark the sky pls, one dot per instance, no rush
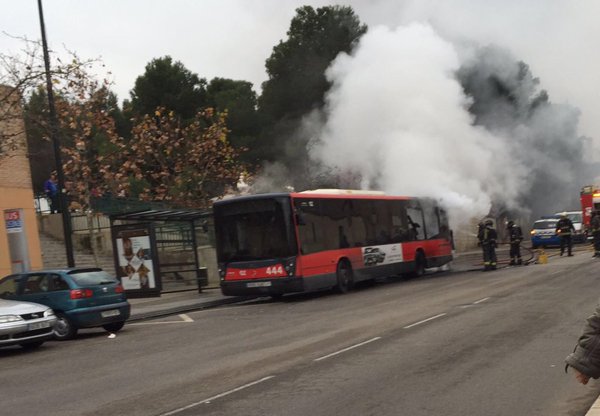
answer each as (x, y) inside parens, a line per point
(415, 45)
(233, 38)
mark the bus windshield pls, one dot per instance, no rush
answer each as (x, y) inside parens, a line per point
(254, 229)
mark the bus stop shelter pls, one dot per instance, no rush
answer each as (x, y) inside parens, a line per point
(156, 251)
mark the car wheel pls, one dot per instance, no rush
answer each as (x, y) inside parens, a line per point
(114, 326)
(31, 345)
(345, 280)
(64, 328)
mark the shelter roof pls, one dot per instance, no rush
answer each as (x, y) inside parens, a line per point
(162, 215)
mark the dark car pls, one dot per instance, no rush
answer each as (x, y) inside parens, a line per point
(80, 298)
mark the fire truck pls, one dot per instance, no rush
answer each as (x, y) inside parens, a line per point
(590, 201)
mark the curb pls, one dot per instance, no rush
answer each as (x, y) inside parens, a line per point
(186, 308)
(595, 409)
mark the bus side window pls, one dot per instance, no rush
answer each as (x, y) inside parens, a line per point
(310, 227)
(400, 226)
(432, 223)
(415, 222)
(342, 237)
(445, 231)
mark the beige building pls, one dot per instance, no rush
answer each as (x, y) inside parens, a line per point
(19, 239)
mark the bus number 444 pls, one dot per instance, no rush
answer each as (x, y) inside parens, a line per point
(277, 270)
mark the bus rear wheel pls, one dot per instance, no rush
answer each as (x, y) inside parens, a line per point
(420, 264)
(345, 280)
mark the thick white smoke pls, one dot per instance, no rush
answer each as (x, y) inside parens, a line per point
(397, 115)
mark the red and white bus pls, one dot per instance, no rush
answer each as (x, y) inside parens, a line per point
(278, 243)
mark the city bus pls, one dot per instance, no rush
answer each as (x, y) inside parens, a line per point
(278, 243)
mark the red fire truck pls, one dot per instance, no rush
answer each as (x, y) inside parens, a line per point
(590, 201)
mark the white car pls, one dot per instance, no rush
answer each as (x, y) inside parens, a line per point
(25, 323)
(576, 217)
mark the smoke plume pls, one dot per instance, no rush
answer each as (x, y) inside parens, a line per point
(412, 114)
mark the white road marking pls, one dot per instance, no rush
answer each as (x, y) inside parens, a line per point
(480, 301)
(218, 396)
(186, 318)
(425, 320)
(347, 349)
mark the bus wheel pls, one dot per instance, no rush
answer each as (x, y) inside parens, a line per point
(420, 264)
(345, 280)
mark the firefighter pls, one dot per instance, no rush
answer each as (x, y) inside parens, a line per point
(516, 236)
(480, 228)
(564, 227)
(595, 226)
(487, 236)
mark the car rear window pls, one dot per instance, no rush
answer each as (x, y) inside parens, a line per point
(544, 225)
(92, 278)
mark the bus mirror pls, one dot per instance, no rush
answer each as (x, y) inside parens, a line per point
(204, 226)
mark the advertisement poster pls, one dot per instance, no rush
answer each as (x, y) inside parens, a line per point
(135, 266)
(384, 254)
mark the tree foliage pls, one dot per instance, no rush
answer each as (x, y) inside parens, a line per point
(23, 73)
(296, 67)
(184, 164)
(39, 145)
(297, 83)
(240, 101)
(170, 85)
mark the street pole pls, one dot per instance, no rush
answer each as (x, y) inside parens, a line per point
(62, 195)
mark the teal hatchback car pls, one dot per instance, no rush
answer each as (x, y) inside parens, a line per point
(80, 298)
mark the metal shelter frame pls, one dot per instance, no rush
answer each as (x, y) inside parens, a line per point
(165, 216)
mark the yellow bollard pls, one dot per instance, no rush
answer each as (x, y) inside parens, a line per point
(542, 257)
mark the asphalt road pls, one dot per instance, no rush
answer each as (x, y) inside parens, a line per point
(449, 344)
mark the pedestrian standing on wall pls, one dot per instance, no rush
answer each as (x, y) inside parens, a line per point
(51, 191)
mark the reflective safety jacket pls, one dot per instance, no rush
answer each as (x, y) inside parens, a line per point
(564, 226)
(515, 233)
(487, 235)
